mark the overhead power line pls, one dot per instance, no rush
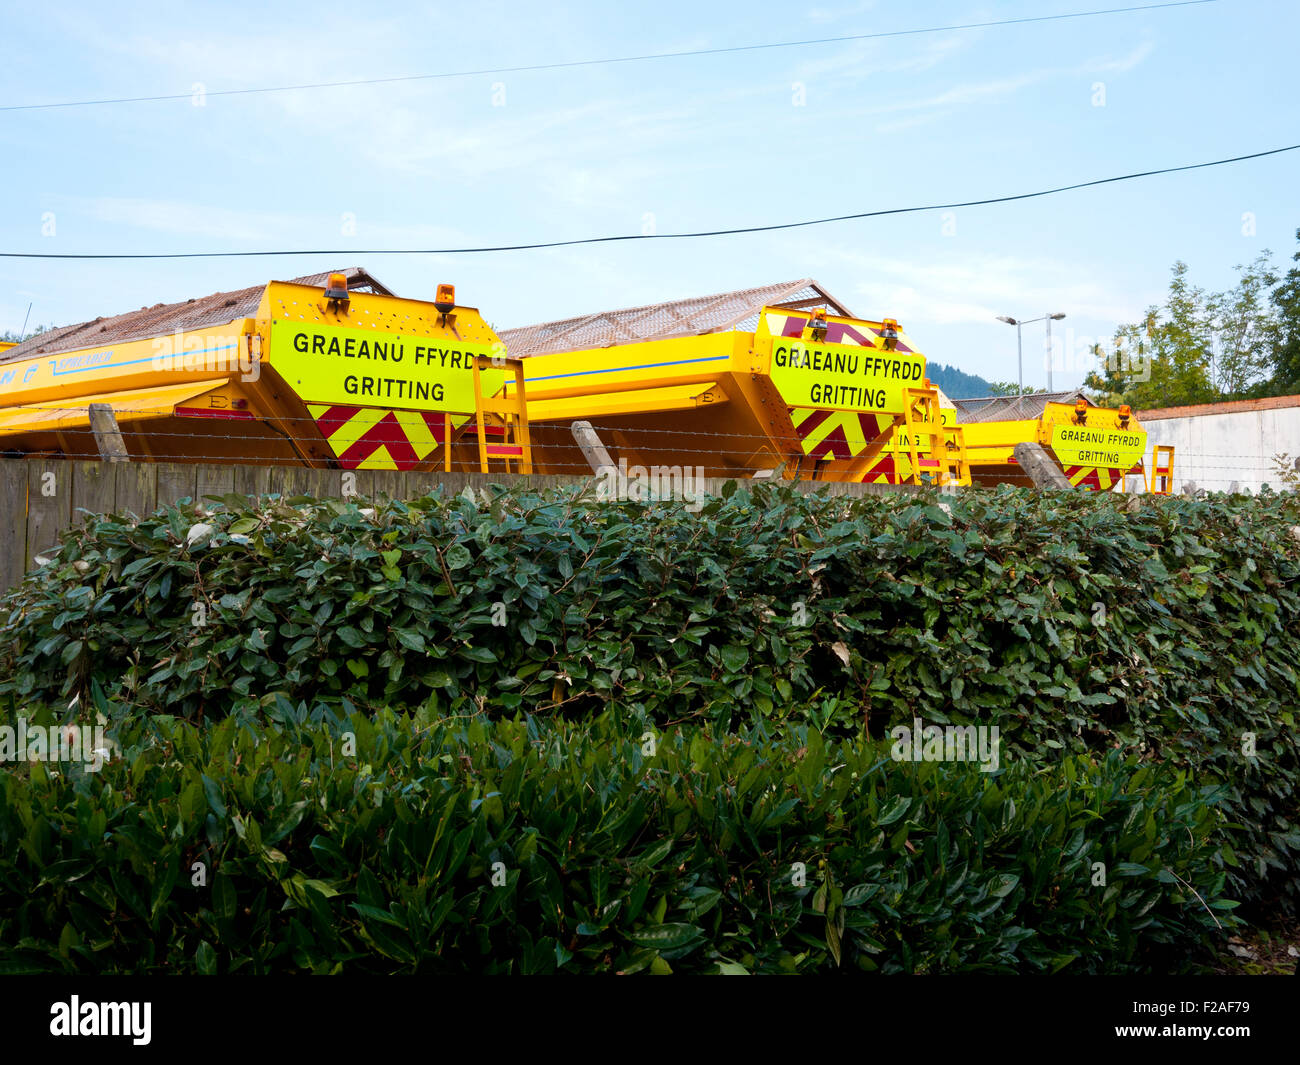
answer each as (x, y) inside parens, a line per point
(611, 60)
(650, 236)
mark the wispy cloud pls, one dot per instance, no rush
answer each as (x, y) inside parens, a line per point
(963, 95)
(187, 219)
(855, 60)
(261, 228)
(1119, 64)
(968, 94)
(973, 288)
(823, 15)
(898, 125)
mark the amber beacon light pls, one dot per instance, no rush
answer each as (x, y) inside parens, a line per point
(889, 334)
(336, 288)
(817, 325)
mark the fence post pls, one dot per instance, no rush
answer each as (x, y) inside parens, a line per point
(108, 435)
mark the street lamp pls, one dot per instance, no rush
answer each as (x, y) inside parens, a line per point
(1050, 318)
(1020, 361)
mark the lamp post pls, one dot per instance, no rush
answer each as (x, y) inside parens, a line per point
(1049, 319)
(1020, 360)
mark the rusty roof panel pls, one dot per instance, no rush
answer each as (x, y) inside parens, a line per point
(1012, 408)
(217, 309)
(675, 318)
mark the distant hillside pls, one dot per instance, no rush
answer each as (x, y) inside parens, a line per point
(955, 383)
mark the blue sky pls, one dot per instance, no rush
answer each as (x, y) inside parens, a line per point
(681, 144)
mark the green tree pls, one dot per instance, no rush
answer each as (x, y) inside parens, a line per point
(1199, 347)
(1010, 388)
(1286, 351)
(1243, 330)
(9, 336)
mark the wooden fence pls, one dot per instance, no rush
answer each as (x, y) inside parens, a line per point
(40, 498)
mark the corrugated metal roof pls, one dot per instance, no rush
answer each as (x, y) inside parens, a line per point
(658, 321)
(1235, 406)
(163, 318)
(1012, 408)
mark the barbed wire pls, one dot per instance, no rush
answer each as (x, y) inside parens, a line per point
(1188, 465)
(577, 470)
(466, 435)
(468, 429)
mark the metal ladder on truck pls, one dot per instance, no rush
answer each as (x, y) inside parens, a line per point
(1160, 481)
(510, 435)
(499, 424)
(945, 458)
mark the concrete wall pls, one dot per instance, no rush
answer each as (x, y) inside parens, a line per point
(1216, 450)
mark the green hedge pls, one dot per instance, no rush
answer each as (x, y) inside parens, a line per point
(611, 860)
(1075, 622)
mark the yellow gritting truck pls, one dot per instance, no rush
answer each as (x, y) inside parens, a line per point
(334, 370)
(1096, 447)
(330, 370)
(740, 384)
(784, 377)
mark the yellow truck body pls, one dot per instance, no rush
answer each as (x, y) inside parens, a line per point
(338, 377)
(369, 381)
(1095, 446)
(821, 397)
